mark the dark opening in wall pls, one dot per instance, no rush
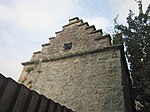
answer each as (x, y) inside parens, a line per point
(67, 46)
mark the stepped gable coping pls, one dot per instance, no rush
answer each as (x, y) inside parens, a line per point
(46, 44)
(100, 30)
(83, 24)
(104, 36)
(37, 52)
(58, 32)
(28, 63)
(83, 53)
(51, 38)
(91, 27)
(73, 23)
(74, 18)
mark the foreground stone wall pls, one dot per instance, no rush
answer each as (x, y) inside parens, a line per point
(16, 97)
(86, 77)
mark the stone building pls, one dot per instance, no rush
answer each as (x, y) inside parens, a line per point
(79, 68)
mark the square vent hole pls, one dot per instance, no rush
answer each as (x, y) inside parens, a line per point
(67, 46)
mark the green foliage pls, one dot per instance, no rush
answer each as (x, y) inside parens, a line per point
(117, 39)
(136, 36)
(29, 69)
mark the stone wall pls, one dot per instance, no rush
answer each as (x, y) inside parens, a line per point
(86, 77)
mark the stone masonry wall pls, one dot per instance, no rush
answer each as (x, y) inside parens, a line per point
(85, 78)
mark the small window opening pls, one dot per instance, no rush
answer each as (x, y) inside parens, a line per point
(67, 46)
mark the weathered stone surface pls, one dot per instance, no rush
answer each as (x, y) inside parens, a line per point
(86, 78)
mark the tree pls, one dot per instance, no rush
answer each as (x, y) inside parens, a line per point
(136, 37)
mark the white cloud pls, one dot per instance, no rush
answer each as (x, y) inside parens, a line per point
(9, 58)
(24, 25)
(99, 23)
(122, 8)
(10, 67)
(36, 15)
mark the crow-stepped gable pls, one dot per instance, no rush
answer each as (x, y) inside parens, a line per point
(79, 68)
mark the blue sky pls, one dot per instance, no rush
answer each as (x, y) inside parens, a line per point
(26, 24)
